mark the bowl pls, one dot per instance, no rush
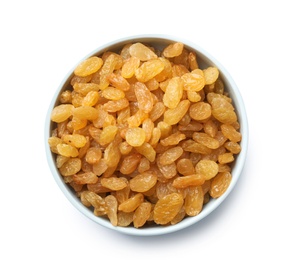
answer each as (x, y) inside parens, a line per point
(205, 59)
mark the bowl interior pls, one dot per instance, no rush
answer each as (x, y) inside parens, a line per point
(204, 60)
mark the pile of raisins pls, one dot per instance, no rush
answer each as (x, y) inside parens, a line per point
(145, 136)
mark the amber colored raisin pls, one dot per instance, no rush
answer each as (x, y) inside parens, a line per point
(233, 147)
(171, 155)
(85, 112)
(67, 150)
(90, 99)
(173, 139)
(61, 112)
(135, 136)
(144, 97)
(88, 66)
(132, 203)
(220, 184)
(114, 183)
(93, 155)
(207, 168)
(173, 92)
(167, 208)
(75, 140)
(124, 219)
(226, 158)
(143, 182)
(108, 134)
(149, 70)
(194, 147)
(112, 205)
(129, 67)
(190, 180)
(85, 177)
(174, 115)
(194, 80)
(231, 133)
(185, 166)
(147, 150)
(173, 50)
(116, 105)
(119, 82)
(130, 163)
(141, 52)
(194, 201)
(112, 154)
(113, 93)
(200, 111)
(141, 214)
(137, 118)
(211, 74)
(206, 140)
(71, 167)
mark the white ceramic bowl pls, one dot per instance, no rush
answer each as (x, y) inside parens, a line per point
(205, 60)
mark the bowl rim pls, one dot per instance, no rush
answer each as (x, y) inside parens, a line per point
(208, 208)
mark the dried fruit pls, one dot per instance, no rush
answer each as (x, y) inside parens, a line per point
(211, 74)
(147, 150)
(167, 208)
(88, 66)
(173, 50)
(71, 167)
(141, 52)
(116, 105)
(143, 182)
(194, 201)
(85, 112)
(129, 67)
(85, 178)
(174, 115)
(149, 70)
(141, 214)
(185, 166)
(108, 134)
(114, 183)
(173, 139)
(206, 140)
(173, 92)
(231, 133)
(132, 203)
(220, 184)
(130, 163)
(170, 155)
(144, 97)
(194, 80)
(145, 135)
(111, 205)
(61, 112)
(190, 180)
(207, 168)
(76, 140)
(67, 150)
(200, 111)
(113, 93)
(135, 136)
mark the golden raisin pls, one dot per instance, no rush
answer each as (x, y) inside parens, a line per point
(135, 136)
(220, 184)
(194, 201)
(167, 208)
(88, 66)
(143, 182)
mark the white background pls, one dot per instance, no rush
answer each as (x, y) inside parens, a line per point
(42, 40)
